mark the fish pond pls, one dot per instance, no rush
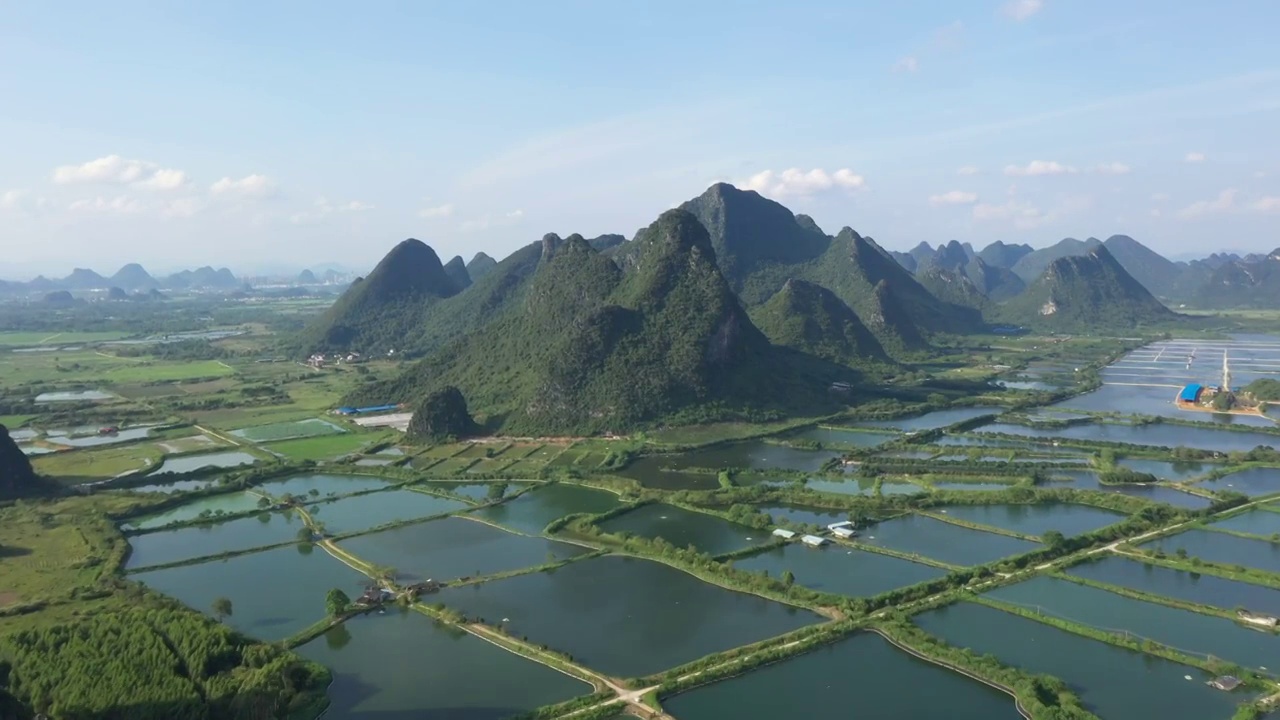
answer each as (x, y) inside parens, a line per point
(819, 684)
(839, 570)
(799, 515)
(168, 488)
(841, 437)
(1158, 401)
(362, 512)
(933, 420)
(1191, 632)
(1189, 586)
(1254, 522)
(205, 507)
(1166, 470)
(1088, 480)
(1035, 519)
(971, 486)
(274, 593)
(1254, 481)
(532, 511)
(480, 492)
(74, 396)
(191, 463)
(942, 541)
(169, 546)
(624, 616)
(709, 534)
(324, 485)
(1112, 682)
(96, 440)
(1159, 434)
(861, 486)
(1221, 548)
(403, 665)
(455, 547)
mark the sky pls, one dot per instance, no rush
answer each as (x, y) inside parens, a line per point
(291, 134)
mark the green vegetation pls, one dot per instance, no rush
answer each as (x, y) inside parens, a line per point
(154, 662)
(324, 447)
(73, 467)
(442, 417)
(377, 313)
(594, 350)
(289, 430)
(1087, 293)
(811, 319)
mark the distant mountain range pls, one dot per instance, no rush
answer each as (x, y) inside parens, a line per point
(729, 306)
(131, 278)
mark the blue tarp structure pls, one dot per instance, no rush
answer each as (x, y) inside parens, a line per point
(363, 410)
(1190, 393)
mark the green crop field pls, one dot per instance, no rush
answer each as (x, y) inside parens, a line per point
(148, 371)
(74, 467)
(324, 447)
(312, 427)
(33, 339)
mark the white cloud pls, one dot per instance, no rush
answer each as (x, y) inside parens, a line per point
(118, 205)
(1024, 216)
(248, 186)
(1267, 204)
(117, 170)
(164, 179)
(908, 64)
(967, 170)
(1039, 167)
(182, 207)
(954, 197)
(797, 182)
(1194, 157)
(1225, 202)
(322, 208)
(1020, 10)
(515, 214)
(11, 199)
(439, 211)
(109, 169)
(1160, 197)
(1114, 168)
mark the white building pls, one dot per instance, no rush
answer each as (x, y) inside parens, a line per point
(814, 540)
(784, 534)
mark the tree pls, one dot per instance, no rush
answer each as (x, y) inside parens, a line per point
(222, 608)
(264, 502)
(1053, 538)
(336, 602)
(787, 578)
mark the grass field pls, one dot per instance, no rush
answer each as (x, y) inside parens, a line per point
(15, 421)
(81, 466)
(325, 447)
(149, 371)
(193, 443)
(48, 551)
(32, 339)
(312, 427)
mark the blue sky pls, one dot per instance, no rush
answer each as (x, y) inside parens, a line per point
(290, 134)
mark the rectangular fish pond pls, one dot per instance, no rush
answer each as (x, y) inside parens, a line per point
(1035, 520)
(362, 512)
(839, 570)
(1112, 682)
(1221, 548)
(625, 617)
(532, 511)
(169, 546)
(820, 684)
(942, 541)
(1190, 632)
(298, 576)
(680, 527)
(1200, 588)
(403, 665)
(454, 547)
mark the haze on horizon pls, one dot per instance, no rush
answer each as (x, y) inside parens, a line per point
(289, 135)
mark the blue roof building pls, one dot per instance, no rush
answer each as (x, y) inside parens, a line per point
(1191, 393)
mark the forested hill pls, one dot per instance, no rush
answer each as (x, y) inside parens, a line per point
(760, 245)
(590, 349)
(378, 312)
(811, 319)
(1087, 293)
(17, 479)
